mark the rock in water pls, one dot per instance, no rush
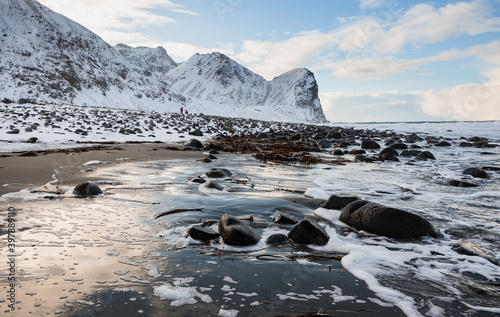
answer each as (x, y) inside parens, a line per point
(309, 232)
(235, 232)
(214, 185)
(456, 183)
(389, 150)
(369, 144)
(284, 218)
(425, 155)
(469, 248)
(202, 233)
(386, 221)
(218, 173)
(277, 239)
(476, 172)
(338, 202)
(87, 189)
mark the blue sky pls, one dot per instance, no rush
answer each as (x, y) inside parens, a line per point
(374, 60)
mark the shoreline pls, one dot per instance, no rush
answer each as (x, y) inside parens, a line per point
(66, 166)
(101, 270)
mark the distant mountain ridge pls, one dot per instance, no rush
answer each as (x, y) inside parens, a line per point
(48, 58)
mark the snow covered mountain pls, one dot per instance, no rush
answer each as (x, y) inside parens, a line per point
(219, 79)
(48, 58)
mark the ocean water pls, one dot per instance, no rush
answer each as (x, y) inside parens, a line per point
(108, 254)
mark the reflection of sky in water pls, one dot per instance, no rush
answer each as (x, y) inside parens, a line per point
(78, 246)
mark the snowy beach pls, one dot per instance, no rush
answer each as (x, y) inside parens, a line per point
(107, 254)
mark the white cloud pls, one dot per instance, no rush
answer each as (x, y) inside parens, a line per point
(362, 43)
(349, 106)
(422, 24)
(271, 59)
(183, 11)
(374, 68)
(108, 17)
(473, 101)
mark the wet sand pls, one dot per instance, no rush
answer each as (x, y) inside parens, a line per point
(105, 256)
(17, 172)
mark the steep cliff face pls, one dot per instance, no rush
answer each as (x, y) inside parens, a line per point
(296, 93)
(217, 78)
(47, 58)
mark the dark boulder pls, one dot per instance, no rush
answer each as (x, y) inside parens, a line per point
(235, 232)
(214, 185)
(399, 146)
(218, 173)
(476, 139)
(456, 183)
(491, 168)
(424, 155)
(334, 135)
(386, 221)
(13, 131)
(309, 232)
(465, 144)
(204, 160)
(338, 202)
(476, 172)
(87, 189)
(337, 152)
(196, 144)
(198, 180)
(389, 157)
(200, 233)
(262, 135)
(284, 218)
(277, 239)
(443, 143)
(357, 151)
(389, 150)
(364, 158)
(196, 132)
(410, 152)
(32, 140)
(324, 144)
(369, 144)
(213, 152)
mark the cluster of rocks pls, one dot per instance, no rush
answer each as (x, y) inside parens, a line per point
(359, 214)
(236, 232)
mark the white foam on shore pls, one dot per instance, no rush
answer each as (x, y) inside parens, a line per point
(421, 188)
(180, 295)
(228, 312)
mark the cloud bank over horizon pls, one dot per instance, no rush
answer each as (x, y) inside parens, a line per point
(374, 60)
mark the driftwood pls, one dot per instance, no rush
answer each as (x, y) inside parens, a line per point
(175, 211)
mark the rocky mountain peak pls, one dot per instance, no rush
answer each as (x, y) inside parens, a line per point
(48, 58)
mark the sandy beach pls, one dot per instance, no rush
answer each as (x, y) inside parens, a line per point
(66, 166)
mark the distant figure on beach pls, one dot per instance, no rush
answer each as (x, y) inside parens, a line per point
(186, 112)
(182, 110)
